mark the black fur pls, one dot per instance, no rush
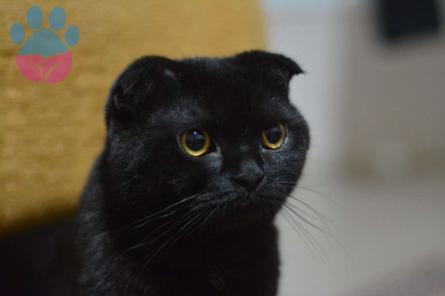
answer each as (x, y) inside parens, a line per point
(155, 221)
(214, 240)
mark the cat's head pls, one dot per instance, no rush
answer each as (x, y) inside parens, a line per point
(211, 138)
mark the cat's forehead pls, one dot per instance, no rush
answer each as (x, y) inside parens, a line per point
(214, 75)
(224, 92)
(227, 86)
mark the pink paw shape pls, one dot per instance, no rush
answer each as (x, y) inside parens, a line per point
(40, 69)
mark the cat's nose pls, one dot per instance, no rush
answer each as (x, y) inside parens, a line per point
(249, 175)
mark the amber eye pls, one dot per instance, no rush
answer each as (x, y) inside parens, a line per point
(195, 142)
(274, 136)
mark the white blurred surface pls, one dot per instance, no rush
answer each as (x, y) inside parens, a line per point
(381, 238)
(378, 114)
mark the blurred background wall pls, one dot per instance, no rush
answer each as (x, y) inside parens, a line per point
(376, 166)
(50, 134)
(374, 104)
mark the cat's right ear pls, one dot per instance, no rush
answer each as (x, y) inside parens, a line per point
(277, 66)
(145, 81)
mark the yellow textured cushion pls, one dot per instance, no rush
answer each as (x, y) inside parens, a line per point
(51, 133)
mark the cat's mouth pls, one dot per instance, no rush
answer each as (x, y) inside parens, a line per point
(247, 200)
(239, 208)
(243, 213)
(240, 199)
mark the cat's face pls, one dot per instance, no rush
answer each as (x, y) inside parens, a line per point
(218, 137)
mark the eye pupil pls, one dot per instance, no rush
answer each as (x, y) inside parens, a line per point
(196, 140)
(273, 134)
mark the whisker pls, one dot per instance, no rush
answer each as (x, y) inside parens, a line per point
(309, 237)
(177, 234)
(175, 224)
(311, 243)
(145, 242)
(325, 226)
(209, 217)
(316, 192)
(325, 219)
(174, 237)
(300, 209)
(303, 218)
(143, 221)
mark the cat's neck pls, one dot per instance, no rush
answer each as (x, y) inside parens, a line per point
(237, 260)
(199, 263)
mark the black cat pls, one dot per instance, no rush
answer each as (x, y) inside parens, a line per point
(200, 155)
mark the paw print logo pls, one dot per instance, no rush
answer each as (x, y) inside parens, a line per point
(44, 57)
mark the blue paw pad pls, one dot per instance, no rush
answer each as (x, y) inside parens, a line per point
(35, 17)
(72, 35)
(17, 33)
(57, 18)
(45, 41)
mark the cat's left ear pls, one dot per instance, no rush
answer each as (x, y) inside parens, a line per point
(147, 81)
(276, 64)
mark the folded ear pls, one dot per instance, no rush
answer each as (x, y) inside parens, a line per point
(266, 62)
(146, 79)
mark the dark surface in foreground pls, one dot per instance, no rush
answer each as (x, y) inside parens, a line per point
(40, 261)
